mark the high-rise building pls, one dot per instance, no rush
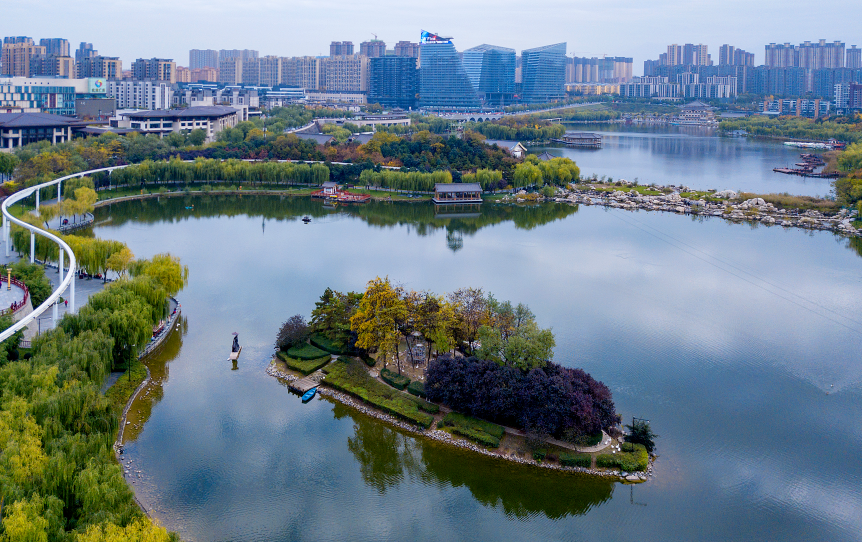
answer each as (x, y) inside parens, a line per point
(85, 50)
(209, 75)
(601, 70)
(141, 94)
(407, 48)
(251, 72)
(393, 81)
(155, 69)
(443, 82)
(105, 67)
(269, 71)
(344, 73)
(373, 48)
(543, 75)
(243, 54)
(16, 55)
(491, 70)
(728, 55)
(55, 46)
(184, 75)
(854, 58)
(230, 71)
(812, 56)
(52, 66)
(340, 48)
(300, 71)
(203, 58)
(688, 55)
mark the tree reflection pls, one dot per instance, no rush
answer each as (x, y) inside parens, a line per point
(423, 217)
(387, 456)
(153, 392)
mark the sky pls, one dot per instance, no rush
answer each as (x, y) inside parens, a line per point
(133, 29)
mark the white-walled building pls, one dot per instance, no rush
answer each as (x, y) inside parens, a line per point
(211, 119)
(141, 94)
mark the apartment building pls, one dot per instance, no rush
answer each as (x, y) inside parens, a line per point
(141, 94)
(155, 69)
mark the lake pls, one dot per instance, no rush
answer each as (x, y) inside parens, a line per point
(691, 156)
(740, 344)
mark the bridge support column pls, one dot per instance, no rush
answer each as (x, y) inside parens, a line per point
(37, 199)
(6, 234)
(71, 309)
(54, 314)
(59, 191)
(32, 247)
(60, 266)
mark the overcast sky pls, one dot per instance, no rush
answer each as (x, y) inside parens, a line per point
(132, 28)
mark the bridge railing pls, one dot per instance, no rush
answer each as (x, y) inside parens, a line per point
(65, 282)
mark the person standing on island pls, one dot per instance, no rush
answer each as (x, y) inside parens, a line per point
(235, 347)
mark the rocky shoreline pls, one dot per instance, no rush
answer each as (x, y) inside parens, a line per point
(731, 208)
(445, 437)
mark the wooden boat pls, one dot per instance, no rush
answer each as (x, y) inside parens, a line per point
(309, 395)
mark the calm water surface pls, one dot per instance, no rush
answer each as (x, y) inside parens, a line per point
(690, 156)
(740, 344)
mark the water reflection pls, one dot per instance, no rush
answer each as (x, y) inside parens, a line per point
(386, 457)
(423, 218)
(152, 394)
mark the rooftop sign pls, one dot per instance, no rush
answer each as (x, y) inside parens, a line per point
(428, 37)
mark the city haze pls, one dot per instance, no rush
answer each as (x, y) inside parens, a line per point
(169, 29)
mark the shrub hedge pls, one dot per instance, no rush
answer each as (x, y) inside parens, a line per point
(457, 419)
(479, 437)
(539, 455)
(576, 460)
(325, 343)
(417, 388)
(394, 379)
(350, 377)
(306, 352)
(304, 366)
(480, 431)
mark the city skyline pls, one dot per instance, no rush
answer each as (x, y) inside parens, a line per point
(308, 29)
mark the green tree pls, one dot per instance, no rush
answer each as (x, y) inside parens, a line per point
(640, 432)
(197, 137)
(376, 319)
(167, 271)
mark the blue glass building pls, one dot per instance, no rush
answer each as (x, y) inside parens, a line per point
(443, 82)
(491, 70)
(543, 73)
(393, 81)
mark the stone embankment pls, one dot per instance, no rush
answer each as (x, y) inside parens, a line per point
(730, 208)
(448, 438)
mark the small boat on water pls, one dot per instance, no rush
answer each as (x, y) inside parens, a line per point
(306, 219)
(309, 395)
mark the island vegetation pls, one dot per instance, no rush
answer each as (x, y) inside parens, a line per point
(473, 364)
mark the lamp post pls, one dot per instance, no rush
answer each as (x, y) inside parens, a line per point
(131, 361)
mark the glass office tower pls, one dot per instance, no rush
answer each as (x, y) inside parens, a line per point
(543, 73)
(443, 82)
(393, 81)
(491, 70)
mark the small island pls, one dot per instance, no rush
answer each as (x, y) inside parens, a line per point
(462, 368)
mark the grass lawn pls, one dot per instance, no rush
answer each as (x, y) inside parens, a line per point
(306, 352)
(119, 393)
(351, 376)
(304, 366)
(482, 432)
